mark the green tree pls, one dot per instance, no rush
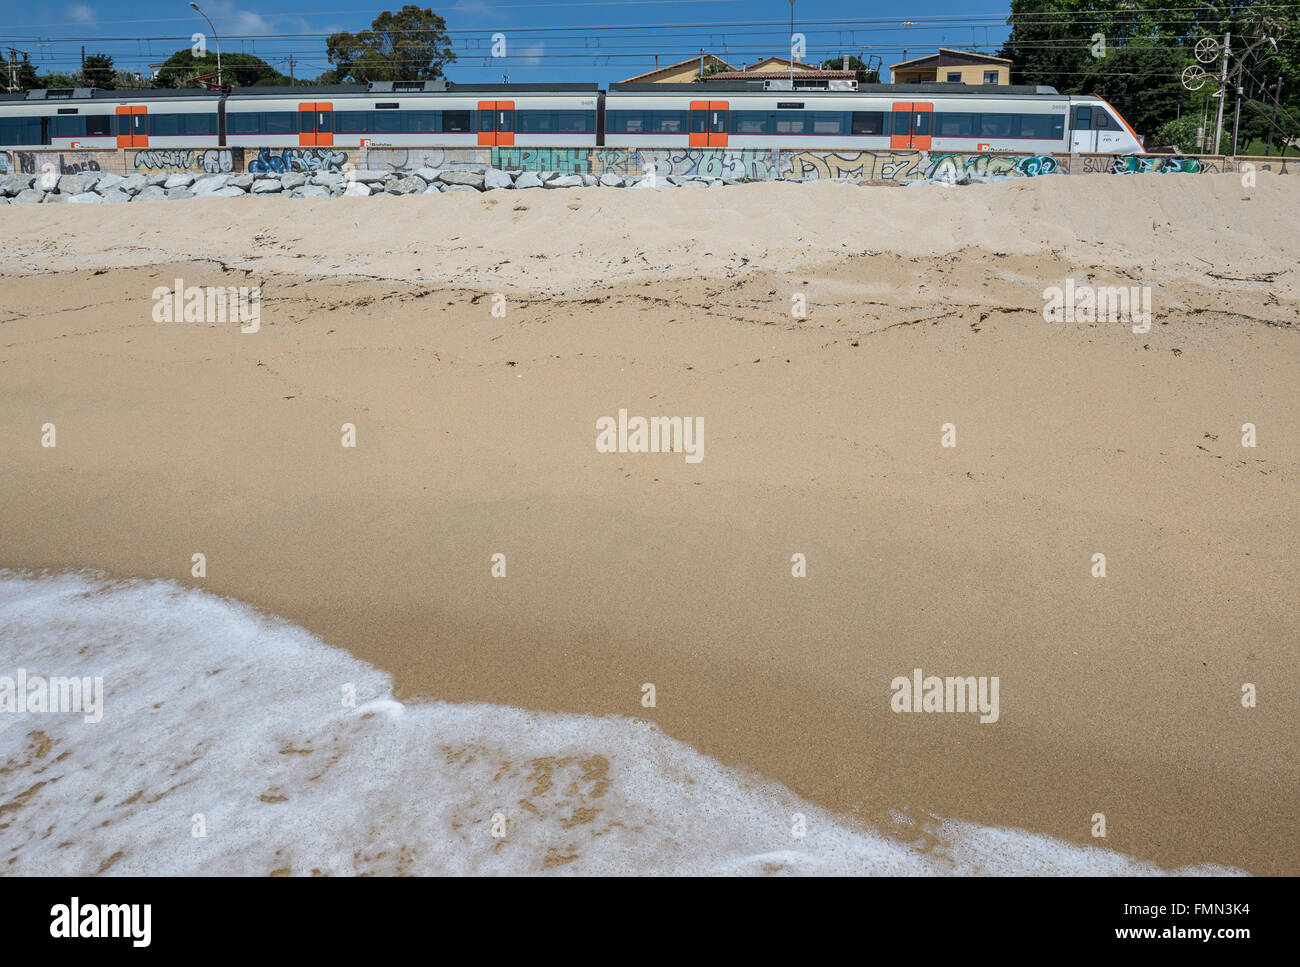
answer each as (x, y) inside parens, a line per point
(97, 71)
(865, 76)
(1144, 47)
(1142, 82)
(238, 70)
(411, 44)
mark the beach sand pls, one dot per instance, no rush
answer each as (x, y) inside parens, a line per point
(476, 435)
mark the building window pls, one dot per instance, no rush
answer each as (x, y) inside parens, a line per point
(990, 77)
(954, 76)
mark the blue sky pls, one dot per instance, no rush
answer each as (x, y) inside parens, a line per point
(546, 40)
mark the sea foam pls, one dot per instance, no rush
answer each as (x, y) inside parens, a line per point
(221, 721)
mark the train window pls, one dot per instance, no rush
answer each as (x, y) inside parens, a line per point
(533, 122)
(628, 122)
(999, 125)
(950, 124)
(1083, 118)
(455, 121)
(420, 122)
(827, 122)
(902, 121)
(65, 127)
(1042, 126)
(20, 130)
(568, 122)
(164, 124)
(921, 122)
(669, 122)
(242, 123)
(868, 122)
(699, 122)
(789, 124)
(196, 124)
(353, 122)
(97, 125)
(280, 122)
(1101, 121)
(749, 122)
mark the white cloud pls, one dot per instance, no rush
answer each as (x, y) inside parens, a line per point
(531, 54)
(81, 14)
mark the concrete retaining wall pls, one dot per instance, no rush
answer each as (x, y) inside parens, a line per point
(729, 163)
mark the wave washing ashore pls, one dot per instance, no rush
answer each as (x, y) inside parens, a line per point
(228, 743)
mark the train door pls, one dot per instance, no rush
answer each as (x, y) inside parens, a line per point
(132, 126)
(496, 122)
(911, 125)
(708, 124)
(1083, 136)
(316, 124)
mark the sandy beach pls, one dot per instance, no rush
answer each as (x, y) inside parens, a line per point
(475, 435)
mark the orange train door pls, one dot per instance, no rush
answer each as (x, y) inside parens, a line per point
(911, 125)
(316, 124)
(496, 122)
(133, 126)
(707, 124)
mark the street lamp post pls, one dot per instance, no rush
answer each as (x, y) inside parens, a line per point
(215, 39)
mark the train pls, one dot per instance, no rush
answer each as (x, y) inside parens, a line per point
(945, 117)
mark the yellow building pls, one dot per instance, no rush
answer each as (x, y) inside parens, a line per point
(952, 66)
(683, 73)
(805, 75)
(716, 69)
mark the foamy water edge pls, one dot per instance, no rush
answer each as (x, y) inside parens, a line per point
(221, 720)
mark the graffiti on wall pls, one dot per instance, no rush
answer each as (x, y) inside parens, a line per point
(65, 163)
(735, 164)
(209, 160)
(297, 159)
(952, 168)
(1121, 164)
(411, 159)
(768, 164)
(568, 161)
(1134, 164)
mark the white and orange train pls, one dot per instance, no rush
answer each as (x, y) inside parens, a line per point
(746, 114)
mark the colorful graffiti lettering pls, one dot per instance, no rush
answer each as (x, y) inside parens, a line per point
(210, 160)
(1135, 164)
(6, 163)
(297, 159)
(569, 161)
(953, 168)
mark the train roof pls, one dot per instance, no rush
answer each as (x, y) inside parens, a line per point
(442, 86)
(375, 87)
(782, 87)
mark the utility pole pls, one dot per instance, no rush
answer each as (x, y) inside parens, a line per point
(1277, 94)
(792, 45)
(83, 63)
(291, 70)
(13, 84)
(1223, 93)
(1236, 120)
